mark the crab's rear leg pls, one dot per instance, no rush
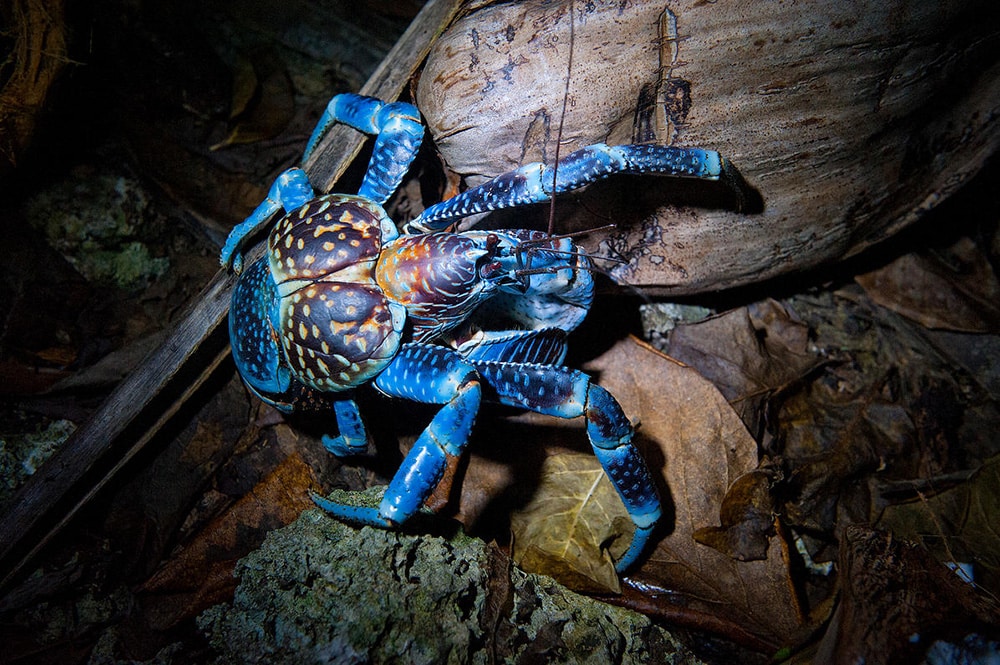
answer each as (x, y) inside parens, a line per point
(352, 439)
(568, 393)
(433, 375)
(537, 182)
(399, 132)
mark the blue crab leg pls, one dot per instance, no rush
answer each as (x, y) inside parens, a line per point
(433, 375)
(399, 132)
(533, 183)
(568, 393)
(544, 345)
(290, 191)
(352, 439)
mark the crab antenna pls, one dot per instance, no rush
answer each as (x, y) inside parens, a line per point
(589, 268)
(566, 252)
(562, 117)
(574, 234)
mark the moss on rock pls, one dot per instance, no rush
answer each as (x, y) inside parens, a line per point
(319, 591)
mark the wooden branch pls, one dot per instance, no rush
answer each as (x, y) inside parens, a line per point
(169, 375)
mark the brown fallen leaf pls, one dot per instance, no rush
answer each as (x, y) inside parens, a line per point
(747, 519)
(953, 289)
(895, 601)
(835, 439)
(263, 100)
(748, 353)
(958, 524)
(200, 575)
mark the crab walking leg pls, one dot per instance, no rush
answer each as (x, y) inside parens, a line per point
(352, 439)
(544, 345)
(537, 182)
(433, 375)
(399, 132)
(568, 393)
(291, 190)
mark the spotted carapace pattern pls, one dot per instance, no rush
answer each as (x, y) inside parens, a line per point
(341, 299)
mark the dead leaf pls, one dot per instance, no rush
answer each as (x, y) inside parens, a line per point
(833, 440)
(263, 100)
(245, 87)
(200, 575)
(953, 289)
(895, 601)
(563, 531)
(748, 353)
(747, 519)
(979, 355)
(958, 524)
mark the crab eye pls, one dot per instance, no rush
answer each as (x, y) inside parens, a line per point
(491, 270)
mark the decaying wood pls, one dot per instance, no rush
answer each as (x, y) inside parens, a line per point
(851, 120)
(135, 409)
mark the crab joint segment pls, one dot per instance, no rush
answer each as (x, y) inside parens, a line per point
(433, 375)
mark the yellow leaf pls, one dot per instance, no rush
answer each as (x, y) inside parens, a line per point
(565, 530)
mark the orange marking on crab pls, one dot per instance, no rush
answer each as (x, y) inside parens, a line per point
(323, 228)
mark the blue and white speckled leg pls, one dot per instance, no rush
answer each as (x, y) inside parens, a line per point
(433, 375)
(399, 132)
(545, 345)
(568, 393)
(537, 182)
(291, 190)
(352, 438)
(611, 438)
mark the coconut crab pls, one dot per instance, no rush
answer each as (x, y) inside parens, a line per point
(344, 298)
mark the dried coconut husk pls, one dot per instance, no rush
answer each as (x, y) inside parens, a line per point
(850, 121)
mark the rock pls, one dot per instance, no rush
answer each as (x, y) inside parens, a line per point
(319, 591)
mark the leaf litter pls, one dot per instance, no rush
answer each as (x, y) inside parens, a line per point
(773, 427)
